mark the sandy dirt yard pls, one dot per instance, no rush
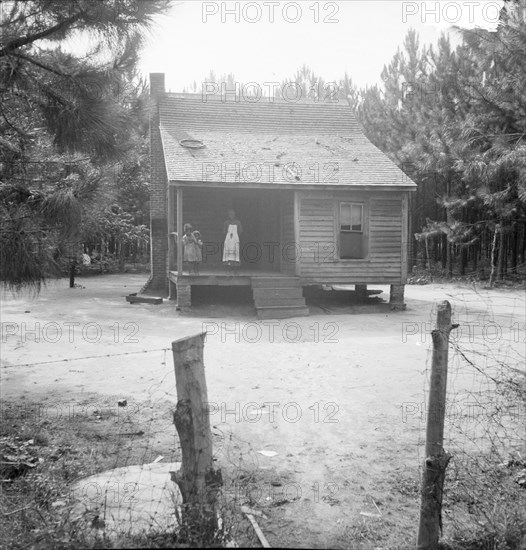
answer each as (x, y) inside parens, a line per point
(336, 400)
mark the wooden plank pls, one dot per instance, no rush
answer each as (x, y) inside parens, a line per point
(198, 480)
(351, 189)
(405, 234)
(179, 231)
(370, 271)
(259, 532)
(379, 265)
(144, 300)
(389, 248)
(297, 239)
(436, 459)
(387, 223)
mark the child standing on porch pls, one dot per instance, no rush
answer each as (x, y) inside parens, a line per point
(232, 230)
(197, 236)
(192, 249)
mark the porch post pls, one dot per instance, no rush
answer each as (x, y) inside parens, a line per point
(406, 243)
(297, 248)
(170, 225)
(179, 231)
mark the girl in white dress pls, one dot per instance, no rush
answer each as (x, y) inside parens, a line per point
(192, 245)
(232, 229)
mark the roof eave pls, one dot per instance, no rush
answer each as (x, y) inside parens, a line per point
(297, 186)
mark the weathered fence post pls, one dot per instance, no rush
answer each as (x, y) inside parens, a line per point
(198, 482)
(437, 459)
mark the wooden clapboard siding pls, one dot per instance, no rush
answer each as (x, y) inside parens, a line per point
(319, 236)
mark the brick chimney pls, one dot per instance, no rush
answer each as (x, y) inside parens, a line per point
(158, 189)
(157, 85)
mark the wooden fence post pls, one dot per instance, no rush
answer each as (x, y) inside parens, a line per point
(437, 459)
(198, 482)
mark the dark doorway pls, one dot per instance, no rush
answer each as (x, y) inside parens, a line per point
(259, 215)
(258, 210)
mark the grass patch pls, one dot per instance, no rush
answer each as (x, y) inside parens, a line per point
(43, 455)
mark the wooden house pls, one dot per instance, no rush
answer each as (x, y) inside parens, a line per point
(319, 204)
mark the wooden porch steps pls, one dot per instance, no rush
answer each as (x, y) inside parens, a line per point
(278, 297)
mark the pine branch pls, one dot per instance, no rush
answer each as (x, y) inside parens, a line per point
(42, 65)
(29, 39)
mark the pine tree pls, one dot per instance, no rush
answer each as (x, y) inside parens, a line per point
(64, 116)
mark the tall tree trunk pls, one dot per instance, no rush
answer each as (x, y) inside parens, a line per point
(463, 260)
(72, 269)
(427, 260)
(101, 254)
(514, 247)
(443, 251)
(494, 246)
(502, 251)
(121, 249)
(523, 239)
(449, 259)
(506, 243)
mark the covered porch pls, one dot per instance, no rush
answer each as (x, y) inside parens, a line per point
(267, 242)
(267, 245)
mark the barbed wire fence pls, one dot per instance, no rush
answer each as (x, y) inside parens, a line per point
(484, 496)
(109, 465)
(484, 493)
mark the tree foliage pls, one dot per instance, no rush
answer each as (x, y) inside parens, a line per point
(72, 118)
(455, 120)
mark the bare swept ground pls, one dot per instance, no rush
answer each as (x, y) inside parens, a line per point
(336, 396)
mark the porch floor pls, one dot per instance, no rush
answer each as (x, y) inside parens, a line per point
(222, 276)
(276, 295)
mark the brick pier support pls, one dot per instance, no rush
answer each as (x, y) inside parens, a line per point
(184, 296)
(396, 299)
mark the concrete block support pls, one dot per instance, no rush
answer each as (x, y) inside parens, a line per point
(396, 299)
(184, 295)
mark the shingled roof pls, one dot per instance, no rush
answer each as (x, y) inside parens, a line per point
(270, 143)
